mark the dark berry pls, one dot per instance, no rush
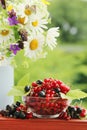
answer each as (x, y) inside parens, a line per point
(41, 94)
(14, 107)
(27, 88)
(71, 108)
(79, 110)
(8, 114)
(3, 112)
(3, 2)
(17, 114)
(57, 90)
(23, 33)
(22, 115)
(73, 112)
(18, 103)
(8, 107)
(39, 81)
(21, 44)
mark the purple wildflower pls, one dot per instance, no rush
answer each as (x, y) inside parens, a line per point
(12, 17)
(14, 48)
(13, 20)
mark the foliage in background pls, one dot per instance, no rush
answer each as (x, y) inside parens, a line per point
(71, 18)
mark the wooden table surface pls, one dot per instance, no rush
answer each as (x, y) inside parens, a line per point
(41, 124)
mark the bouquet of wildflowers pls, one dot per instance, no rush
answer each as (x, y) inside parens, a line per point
(24, 26)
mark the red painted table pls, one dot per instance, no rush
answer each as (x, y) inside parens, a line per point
(42, 124)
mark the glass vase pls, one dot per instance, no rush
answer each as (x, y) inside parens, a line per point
(6, 83)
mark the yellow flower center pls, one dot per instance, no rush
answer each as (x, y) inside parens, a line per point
(4, 32)
(21, 20)
(46, 2)
(34, 44)
(9, 8)
(2, 58)
(35, 23)
(27, 11)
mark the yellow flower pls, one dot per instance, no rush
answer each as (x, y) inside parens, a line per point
(46, 2)
(21, 20)
(9, 8)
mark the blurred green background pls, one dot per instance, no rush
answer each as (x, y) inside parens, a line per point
(68, 62)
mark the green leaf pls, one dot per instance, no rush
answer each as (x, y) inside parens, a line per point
(19, 89)
(24, 80)
(76, 94)
(15, 92)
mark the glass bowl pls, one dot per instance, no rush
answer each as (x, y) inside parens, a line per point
(46, 107)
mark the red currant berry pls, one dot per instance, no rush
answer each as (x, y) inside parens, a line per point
(55, 105)
(35, 89)
(29, 115)
(18, 108)
(48, 91)
(52, 95)
(47, 104)
(47, 95)
(48, 87)
(83, 113)
(34, 84)
(51, 104)
(39, 89)
(54, 84)
(36, 95)
(64, 88)
(53, 92)
(59, 82)
(46, 80)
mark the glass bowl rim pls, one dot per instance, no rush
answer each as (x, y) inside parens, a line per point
(46, 97)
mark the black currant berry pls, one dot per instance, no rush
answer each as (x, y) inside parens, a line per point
(22, 115)
(14, 107)
(73, 112)
(27, 88)
(71, 109)
(39, 81)
(41, 94)
(18, 103)
(3, 112)
(79, 110)
(9, 110)
(8, 107)
(57, 90)
(17, 114)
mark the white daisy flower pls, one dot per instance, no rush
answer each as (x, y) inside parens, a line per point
(36, 23)
(43, 10)
(25, 9)
(51, 40)
(34, 45)
(40, 7)
(5, 35)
